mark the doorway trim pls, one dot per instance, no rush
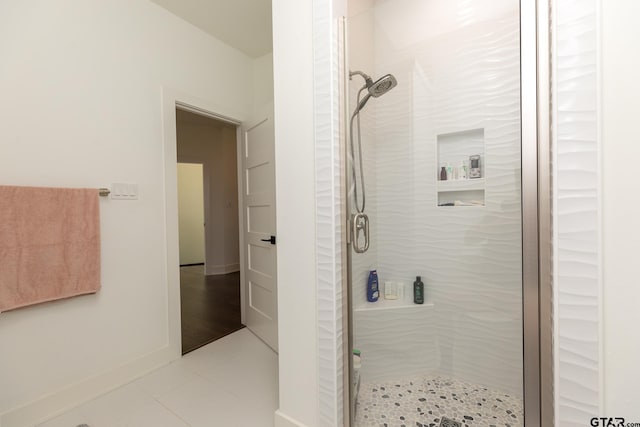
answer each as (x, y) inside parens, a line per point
(172, 100)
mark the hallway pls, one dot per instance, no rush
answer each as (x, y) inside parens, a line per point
(231, 382)
(210, 306)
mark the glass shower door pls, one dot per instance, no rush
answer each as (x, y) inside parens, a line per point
(434, 190)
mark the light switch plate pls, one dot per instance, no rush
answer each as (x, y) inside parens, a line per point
(120, 191)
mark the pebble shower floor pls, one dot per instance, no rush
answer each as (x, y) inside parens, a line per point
(422, 402)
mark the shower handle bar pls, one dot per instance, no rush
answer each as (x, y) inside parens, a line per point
(359, 225)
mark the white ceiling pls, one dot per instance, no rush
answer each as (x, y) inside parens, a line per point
(242, 24)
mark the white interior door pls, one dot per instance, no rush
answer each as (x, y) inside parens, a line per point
(259, 230)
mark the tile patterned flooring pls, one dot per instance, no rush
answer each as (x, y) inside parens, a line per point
(232, 382)
(422, 402)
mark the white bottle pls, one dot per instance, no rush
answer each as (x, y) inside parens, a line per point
(449, 170)
(462, 170)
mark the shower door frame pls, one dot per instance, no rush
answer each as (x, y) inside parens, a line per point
(538, 377)
(536, 211)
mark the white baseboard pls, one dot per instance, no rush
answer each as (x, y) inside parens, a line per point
(213, 270)
(282, 420)
(61, 401)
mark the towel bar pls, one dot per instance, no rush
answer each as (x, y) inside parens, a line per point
(104, 192)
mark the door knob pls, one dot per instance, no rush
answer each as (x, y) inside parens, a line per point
(271, 240)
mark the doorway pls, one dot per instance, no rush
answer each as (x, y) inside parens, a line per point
(255, 230)
(209, 248)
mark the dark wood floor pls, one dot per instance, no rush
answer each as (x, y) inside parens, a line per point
(210, 306)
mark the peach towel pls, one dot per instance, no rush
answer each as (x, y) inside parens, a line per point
(49, 244)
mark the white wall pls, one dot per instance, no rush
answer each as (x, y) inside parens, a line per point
(214, 144)
(596, 214)
(262, 82)
(621, 207)
(576, 206)
(81, 87)
(295, 198)
(191, 213)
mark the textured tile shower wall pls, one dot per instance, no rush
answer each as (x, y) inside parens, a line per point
(361, 57)
(576, 208)
(466, 77)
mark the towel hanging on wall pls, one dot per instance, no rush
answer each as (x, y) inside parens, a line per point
(49, 244)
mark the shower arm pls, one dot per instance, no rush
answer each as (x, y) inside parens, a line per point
(366, 77)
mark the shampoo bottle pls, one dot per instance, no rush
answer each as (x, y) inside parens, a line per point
(372, 287)
(418, 291)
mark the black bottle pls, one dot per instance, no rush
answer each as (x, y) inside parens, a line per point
(443, 174)
(418, 291)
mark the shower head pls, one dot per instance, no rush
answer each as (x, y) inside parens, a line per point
(375, 89)
(381, 86)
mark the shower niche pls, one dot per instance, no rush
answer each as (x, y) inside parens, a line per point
(460, 175)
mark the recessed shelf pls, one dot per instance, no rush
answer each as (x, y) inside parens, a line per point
(455, 150)
(461, 185)
(384, 304)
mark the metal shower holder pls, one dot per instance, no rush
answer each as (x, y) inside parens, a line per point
(359, 225)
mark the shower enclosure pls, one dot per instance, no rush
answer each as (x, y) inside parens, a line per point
(435, 149)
